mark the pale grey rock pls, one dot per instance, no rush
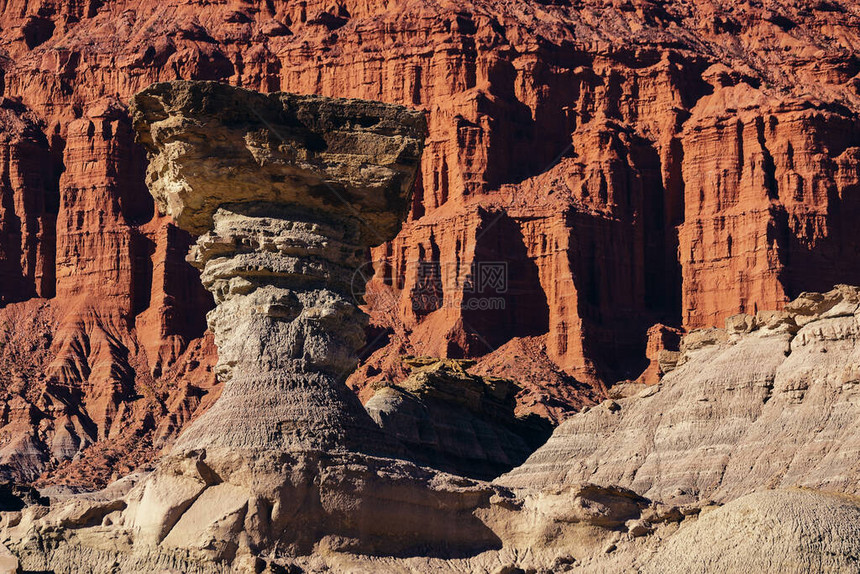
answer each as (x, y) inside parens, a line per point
(158, 503)
(668, 360)
(764, 409)
(458, 422)
(740, 323)
(786, 531)
(8, 562)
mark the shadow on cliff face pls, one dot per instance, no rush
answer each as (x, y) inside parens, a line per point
(506, 299)
(623, 255)
(614, 321)
(457, 422)
(523, 142)
(27, 207)
(37, 30)
(825, 251)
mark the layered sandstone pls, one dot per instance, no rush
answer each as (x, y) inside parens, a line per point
(287, 193)
(762, 477)
(286, 461)
(769, 402)
(802, 530)
(631, 162)
(457, 422)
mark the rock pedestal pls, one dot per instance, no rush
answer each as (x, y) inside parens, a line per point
(287, 330)
(287, 194)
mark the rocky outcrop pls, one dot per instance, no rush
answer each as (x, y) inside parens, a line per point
(754, 233)
(457, 422)
(287, 461)
(760, 475)
(768, 402)
(803, 531)
(287, 193)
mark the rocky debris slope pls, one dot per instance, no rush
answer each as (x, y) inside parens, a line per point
(630, 162)
(47, 426)
(457, 422)
(771, 401)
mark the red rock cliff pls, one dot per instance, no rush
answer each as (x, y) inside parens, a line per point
(625, 162)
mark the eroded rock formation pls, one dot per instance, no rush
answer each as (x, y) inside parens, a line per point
(455, 421)
(761, 476)
(287, 194)
(631, 162)
(290, 191)
(770, 401)
(287, 470)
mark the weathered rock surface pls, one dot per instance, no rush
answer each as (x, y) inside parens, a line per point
(281, 465)
(772, 404)
(631, 163)
(721, 494)
(771, 531)
(457, 422)
(46, 425)
(9, 564)
(290, 191)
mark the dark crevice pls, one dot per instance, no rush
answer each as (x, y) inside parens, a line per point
(37, 31)
(503, 297)
(143, 248)
(767, 162)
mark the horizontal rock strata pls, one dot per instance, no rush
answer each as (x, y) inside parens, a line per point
(290, 191)
(282, 463)
(631, 163)
(748, 464)
(770, 401)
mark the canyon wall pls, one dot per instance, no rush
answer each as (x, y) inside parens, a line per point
(592, 168)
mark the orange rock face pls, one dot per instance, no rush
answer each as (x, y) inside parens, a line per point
(592, 168)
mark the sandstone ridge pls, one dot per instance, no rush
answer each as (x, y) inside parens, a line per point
(770, 401)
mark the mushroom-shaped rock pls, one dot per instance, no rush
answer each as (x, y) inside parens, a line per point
(286, 194)
(213, 145)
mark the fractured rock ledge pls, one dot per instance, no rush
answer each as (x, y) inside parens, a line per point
(458, 422)
(213, 145)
